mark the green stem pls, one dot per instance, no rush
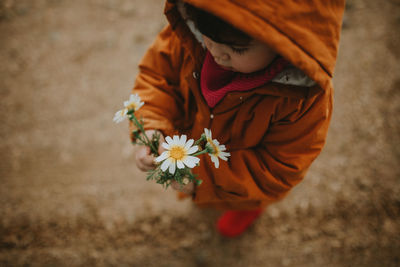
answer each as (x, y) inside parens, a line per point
(202, 138)
(147, 141)
(199, 153)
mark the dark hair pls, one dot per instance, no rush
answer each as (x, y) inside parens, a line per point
(215, 28)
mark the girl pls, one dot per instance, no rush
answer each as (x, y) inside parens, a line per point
(259, 76)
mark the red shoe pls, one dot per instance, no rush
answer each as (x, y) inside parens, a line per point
(233, 223)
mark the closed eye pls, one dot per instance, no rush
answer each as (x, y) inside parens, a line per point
(239, 50)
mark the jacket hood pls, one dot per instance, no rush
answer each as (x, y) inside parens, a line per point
(304, 32)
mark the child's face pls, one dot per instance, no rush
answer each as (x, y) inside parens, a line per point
(245, 59)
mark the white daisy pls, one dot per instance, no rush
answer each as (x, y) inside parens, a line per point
(120, 115)
(207, 132)
(134, 102)
(178, 154)
(218, 150)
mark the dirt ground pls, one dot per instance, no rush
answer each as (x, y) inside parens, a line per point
(70, 194)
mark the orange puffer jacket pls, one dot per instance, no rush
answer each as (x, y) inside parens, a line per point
(273, 132)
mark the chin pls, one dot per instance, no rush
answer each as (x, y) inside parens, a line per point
(228, 68)
(248, 71)
(245, 72)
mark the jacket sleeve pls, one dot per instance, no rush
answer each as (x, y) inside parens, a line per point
(158, 83)
(255, 177)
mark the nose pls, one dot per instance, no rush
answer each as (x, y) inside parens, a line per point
(217, 50)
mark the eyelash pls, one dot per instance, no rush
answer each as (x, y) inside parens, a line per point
(239, 51)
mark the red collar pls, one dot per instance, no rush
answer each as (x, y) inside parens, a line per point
(216, 82)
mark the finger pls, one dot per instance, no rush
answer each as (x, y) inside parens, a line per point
(141, 166)
(150, 133)
(144, 160)
(187, 189)
(148, 160)
(145, 155)
(175, 185)
(144, 167)
(161, 149)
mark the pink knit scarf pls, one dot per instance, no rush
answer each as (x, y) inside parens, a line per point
(216, 82)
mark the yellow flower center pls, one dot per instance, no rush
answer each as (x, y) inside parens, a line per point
(215, 148)
(177, 153)
(132, 106)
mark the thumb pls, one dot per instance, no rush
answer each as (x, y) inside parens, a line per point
(161, 149)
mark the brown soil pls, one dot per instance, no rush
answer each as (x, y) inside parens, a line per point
(71, 195)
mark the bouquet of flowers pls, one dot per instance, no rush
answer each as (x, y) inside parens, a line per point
(180, 155)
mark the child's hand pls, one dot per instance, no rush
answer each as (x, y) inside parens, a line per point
(144, 159)
(187, 189)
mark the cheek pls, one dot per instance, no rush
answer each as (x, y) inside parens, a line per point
(267, 56)
(206, 43)
(248, 64)
(253, 62)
